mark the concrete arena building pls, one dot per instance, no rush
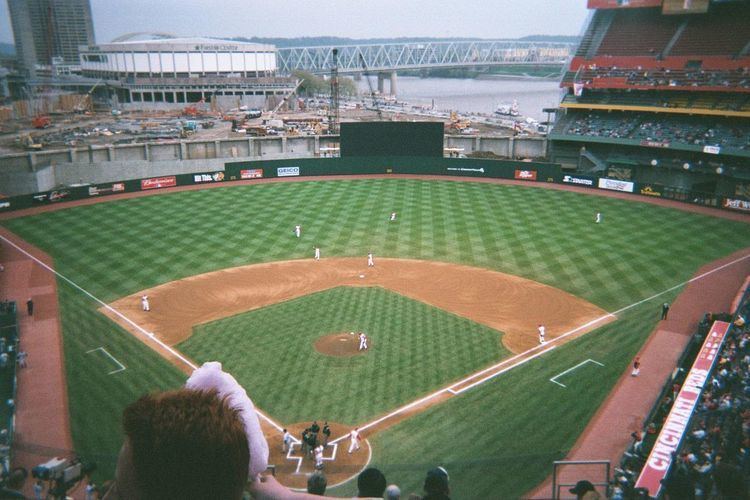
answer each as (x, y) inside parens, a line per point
(172, 72)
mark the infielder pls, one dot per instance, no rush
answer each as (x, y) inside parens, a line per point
(317, 253)
(370, 262)
(541, 334)
(298, 230)
(144, 303)
(354, 439)
(362, 341)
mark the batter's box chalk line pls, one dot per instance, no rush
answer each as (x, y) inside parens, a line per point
(571, 369)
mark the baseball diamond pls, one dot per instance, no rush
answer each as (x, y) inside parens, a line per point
(460, 284)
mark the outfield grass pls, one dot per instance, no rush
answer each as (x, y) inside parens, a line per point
(117, 248)
(415, 349)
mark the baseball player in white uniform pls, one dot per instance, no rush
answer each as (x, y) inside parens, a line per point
(598, 217)
(370, 261)
(286, 441)
(298, 230)
(354, 439)
(319, 457)
(393, 216)
(317, 253)
(362, 341)
(541, 334)
(144, 303)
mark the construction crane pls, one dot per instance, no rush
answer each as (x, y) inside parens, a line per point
(81, 106)
(286, 97)
(369, 84)
(333, 108)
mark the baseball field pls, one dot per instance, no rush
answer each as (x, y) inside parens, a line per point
(462, 278)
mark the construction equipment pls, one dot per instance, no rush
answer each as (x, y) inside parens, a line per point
(85, 101)
(369, 84)
(41, 121)
(333, 108)
(286, 97)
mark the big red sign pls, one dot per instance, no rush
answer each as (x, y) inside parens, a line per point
(526, 175)
(252, 173)
(159, 182)
(677, 421)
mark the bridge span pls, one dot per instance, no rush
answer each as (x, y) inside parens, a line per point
(390, 57)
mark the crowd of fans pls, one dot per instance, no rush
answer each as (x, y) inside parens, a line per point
(714, 459)
(663, 129)
(596, 76)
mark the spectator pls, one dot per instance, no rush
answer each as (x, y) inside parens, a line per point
(371, 483)
(584, 490)
(392, 492)
(317, 483)
(182, 444)
(436, 485)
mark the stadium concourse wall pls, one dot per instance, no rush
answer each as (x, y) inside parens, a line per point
(524, 171)
(37, 171)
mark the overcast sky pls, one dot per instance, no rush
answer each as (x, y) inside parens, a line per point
(344, 18)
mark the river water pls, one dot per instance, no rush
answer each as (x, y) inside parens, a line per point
(475, 95)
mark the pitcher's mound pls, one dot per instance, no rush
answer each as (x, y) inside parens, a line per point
(340, 344)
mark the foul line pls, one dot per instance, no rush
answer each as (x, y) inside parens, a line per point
(122, 367)
(571, 369)
(146, 334)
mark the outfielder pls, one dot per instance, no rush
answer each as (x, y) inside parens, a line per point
(370, 261)
(298, 230)
(144, 303)
(354, 439)
(598, 217)
(362, 341)
(541, 334)
(393, 216)
(317, 253)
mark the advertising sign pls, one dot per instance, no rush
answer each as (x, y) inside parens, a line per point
(582, 181)
(213, 177)
(741, 205)
(615, 185)
(253, 173)
(117, 187)
(713, 150)
(526, 175)
(678, 419)
(4, 205)
(650, 190)
(287, 171)
(159, 182)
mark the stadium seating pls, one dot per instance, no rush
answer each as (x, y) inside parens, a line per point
(724, 32)
(638, 32)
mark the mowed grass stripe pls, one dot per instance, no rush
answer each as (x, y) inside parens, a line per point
(416, 349)
(117, 248)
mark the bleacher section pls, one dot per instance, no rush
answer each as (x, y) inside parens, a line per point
(8, 384)
(728, 134)
(710, 453)
(664, 89)
(638, 32)
(723, 32)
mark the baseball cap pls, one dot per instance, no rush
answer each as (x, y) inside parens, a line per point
(436, 481)
(582, 487)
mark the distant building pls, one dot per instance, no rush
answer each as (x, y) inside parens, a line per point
(48, 33)
(170, 73)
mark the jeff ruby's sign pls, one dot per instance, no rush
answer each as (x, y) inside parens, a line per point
(677, 421)
(526, 175)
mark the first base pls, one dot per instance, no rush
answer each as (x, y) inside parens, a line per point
(361, 275)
